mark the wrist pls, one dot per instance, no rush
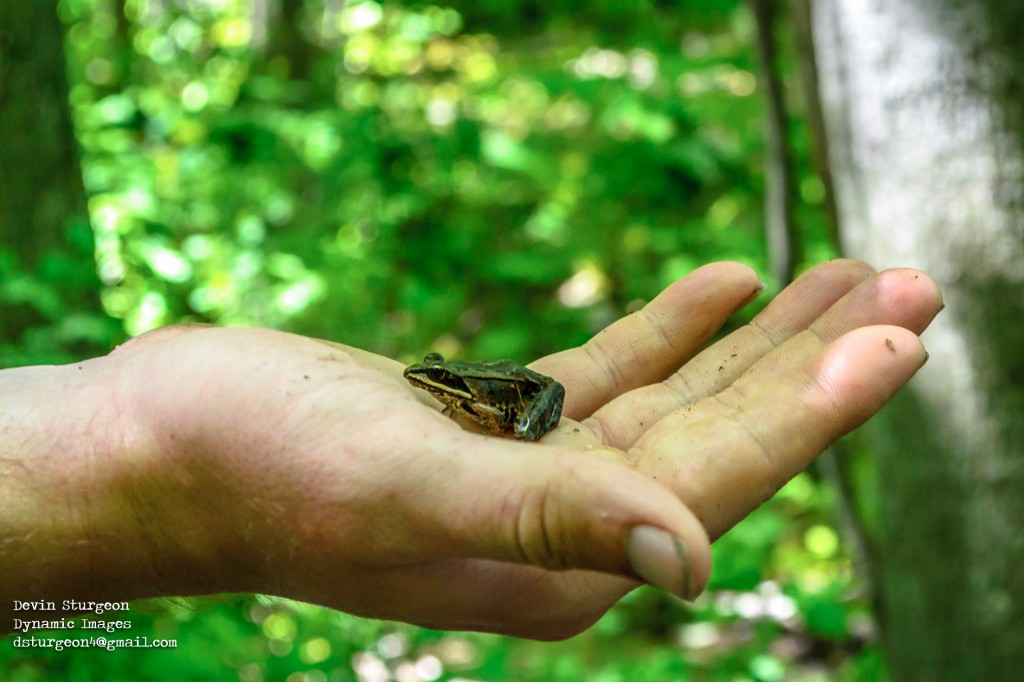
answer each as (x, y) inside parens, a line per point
(189, 503)
(93, 509)
(62, 535)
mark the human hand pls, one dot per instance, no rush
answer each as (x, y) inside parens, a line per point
(301, 468)
(310, 470)
(728, 425)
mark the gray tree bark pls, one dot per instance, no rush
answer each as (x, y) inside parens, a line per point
(924, 109)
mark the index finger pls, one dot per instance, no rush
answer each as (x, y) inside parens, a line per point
(649, 345)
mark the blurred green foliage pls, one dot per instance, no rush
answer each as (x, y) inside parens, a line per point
(495, 179)
(53, 305)
(419, 183)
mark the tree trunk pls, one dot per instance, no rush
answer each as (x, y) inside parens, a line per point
(924, 108)
(286, 40)
(41, 190)
(40, 179)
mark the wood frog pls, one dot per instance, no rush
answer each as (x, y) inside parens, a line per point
(501, 396)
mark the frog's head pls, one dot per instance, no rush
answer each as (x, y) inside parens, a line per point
(436, 377)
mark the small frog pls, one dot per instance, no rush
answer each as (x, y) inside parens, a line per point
(500, 396)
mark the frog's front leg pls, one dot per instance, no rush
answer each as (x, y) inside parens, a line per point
(541, 414)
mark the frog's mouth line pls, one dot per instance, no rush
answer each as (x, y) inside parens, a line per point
(435, 387)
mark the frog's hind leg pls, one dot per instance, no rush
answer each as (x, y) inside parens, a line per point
(542, 414)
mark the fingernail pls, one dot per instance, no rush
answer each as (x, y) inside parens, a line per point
(661, 559)
(751, 296)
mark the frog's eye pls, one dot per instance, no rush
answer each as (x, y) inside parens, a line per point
(435, 372)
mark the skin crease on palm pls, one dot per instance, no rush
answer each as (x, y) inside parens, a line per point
(252, 460)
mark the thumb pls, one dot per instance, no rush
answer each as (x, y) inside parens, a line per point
(559, 509)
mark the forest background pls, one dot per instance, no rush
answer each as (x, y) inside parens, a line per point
(496, 179)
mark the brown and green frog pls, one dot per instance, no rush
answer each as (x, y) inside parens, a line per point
(503, 397)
